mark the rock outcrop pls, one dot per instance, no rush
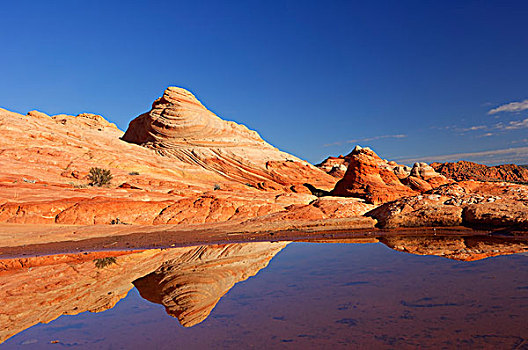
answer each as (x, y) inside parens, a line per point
(378, 181)
(464, 170)
(335, 166)
(469, 203)
(179, 126)
(182, 165)
(190, 168)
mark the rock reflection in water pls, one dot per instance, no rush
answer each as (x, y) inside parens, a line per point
(187, 281)
(463, 248)
(190, 286)
(41, 289)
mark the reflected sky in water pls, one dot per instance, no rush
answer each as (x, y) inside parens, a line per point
(311, 295)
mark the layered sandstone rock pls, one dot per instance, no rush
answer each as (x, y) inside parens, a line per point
(464, 170)
(191, 168)
(335, 166)
(379, 181)
(468, 203)
(179, 126)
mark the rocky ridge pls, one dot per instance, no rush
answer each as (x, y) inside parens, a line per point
(179, 164)
(464, 170)
(190, 168)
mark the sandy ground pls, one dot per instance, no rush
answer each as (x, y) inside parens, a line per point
(35, 240)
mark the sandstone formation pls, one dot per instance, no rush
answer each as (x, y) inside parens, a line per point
(181, 165)
(468, 203)
(191, 168)
(335, 166)
(378, 181)
(40, 289)
(464, 170)
(179, 126)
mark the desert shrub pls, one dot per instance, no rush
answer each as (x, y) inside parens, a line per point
(216, 187)
(99, 177)
(133, 173)
(104, 262)
(316, 191)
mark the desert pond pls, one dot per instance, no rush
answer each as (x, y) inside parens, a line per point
(390, 292)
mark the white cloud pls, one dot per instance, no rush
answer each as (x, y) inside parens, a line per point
(366, 139)
(498, 156)
(474, 128)
(510, 107)
(516, 124)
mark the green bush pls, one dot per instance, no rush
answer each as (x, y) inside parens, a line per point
(99, 177)
(104, 262)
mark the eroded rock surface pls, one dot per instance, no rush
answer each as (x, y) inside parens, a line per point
(464, 170)
(378, 181)
(468, 203)
(179, 126)
(188, 167)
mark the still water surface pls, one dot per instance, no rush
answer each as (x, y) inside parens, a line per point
(270, 295)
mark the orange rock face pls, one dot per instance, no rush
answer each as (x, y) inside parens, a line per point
(465, 170)
(378, 181)
(180, 164)
(469, 203)
(179, 126)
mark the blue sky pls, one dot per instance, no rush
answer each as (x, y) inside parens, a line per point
(415, 80)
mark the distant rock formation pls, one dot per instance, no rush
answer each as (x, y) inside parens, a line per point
(378, 181)
(335, 166)
(464, 170)
(179, 126)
